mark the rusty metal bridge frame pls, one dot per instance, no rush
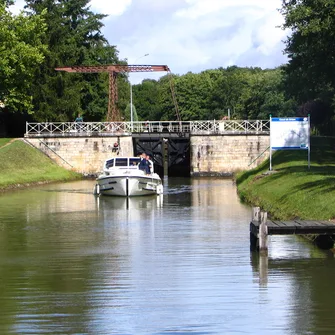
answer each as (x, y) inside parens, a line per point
(113, 70)
(145, 128)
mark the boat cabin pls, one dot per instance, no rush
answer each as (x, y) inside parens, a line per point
(122, 163)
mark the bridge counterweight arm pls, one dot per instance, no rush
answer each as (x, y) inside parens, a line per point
(113, 69)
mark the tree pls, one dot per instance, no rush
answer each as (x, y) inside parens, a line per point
(167, 107)
(146, 100)
(127, 113)
(229, 90)
(74, 38)
(310, 48)
(6, 3)
(312, 42)
(21, 52)
(249, 93)
(266, 95)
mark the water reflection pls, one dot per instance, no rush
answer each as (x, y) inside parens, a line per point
(73, 263)
(293, 274)
(129, 206)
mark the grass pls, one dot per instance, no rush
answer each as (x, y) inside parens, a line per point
(4, 141)
(291, 190)
(21, 164)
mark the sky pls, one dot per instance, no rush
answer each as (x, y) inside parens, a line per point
(193, 35)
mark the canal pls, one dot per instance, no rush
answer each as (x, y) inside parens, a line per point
(71, 263)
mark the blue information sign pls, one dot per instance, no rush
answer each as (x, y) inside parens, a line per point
(289, 133)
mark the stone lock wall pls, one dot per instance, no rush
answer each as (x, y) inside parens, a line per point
(227, 154)
(211, 155)
(85, 155)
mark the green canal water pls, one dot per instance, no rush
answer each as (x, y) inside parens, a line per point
(71, 263)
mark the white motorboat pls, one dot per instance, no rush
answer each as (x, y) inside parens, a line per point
(122, 177)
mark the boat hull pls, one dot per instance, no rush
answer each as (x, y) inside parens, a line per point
(128, 185)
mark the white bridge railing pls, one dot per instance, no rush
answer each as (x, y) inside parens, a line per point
(126, 128)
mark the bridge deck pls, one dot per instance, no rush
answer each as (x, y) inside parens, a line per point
(297, 227)
(108, 134)
(154, 128)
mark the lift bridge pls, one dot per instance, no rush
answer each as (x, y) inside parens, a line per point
(167, 142)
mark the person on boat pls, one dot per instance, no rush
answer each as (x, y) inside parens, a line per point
(143, 165)
(151, 164)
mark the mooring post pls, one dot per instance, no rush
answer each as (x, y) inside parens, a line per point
(263, 233)
(256, 211)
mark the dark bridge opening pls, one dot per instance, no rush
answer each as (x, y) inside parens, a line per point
(171, 156)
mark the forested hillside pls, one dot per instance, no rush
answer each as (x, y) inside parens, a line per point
(243, 93)
(55, 33)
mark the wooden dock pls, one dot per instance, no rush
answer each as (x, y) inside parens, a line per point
(296, 227)
(261, 227)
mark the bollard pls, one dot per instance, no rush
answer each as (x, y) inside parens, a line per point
(263, 233)
(256, 211)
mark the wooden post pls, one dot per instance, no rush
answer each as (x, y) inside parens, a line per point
(256, 211)
(253, 236)
(263, 233)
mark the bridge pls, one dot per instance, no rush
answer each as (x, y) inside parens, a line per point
(211, 147)
(160, 128)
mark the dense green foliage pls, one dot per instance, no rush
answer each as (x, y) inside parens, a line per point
(310, 47)
(249, 93)
(22, 164)
(293, 191)
(73, 38)
(21, 51)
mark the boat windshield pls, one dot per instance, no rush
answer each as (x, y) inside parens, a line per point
(122, 162)
(134, 161)
(110, 163)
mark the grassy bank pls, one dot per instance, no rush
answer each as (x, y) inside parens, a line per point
(21, 164)
(4, 141)
(291, 190)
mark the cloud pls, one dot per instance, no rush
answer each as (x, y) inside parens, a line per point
(110, 7)
(199, 8)
(194, 35)
(18, 6)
